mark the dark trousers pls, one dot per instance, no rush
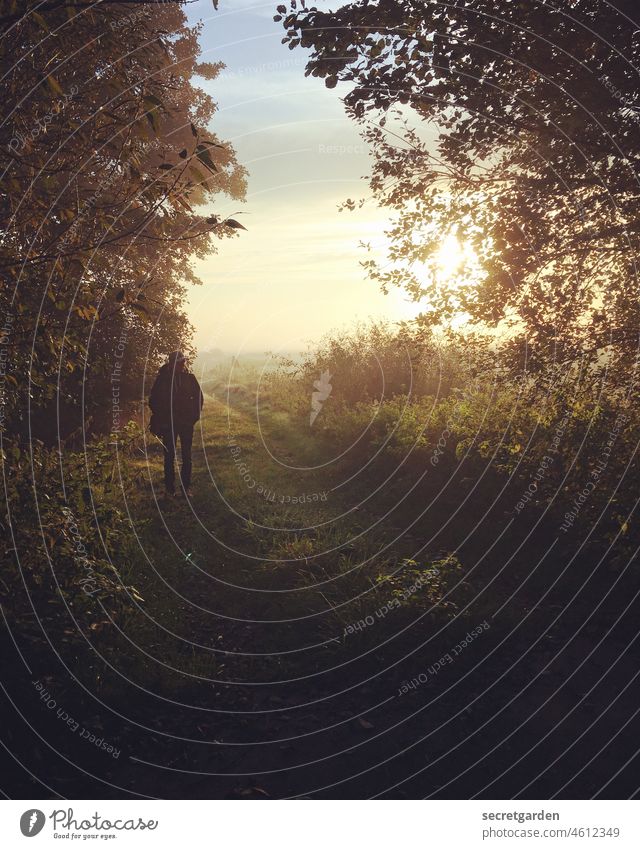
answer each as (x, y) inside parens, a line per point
(169, 441)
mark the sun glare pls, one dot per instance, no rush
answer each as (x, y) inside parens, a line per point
(446, 262)
(449, 257)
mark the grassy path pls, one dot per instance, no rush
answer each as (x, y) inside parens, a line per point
(252, 600)
(256, 556)
(292, 645)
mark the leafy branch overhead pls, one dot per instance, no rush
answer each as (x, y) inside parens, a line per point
(110, 167)
(525, 146)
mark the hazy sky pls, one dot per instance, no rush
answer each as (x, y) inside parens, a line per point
(295, 274)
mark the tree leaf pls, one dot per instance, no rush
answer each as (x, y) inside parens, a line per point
(54, 85)
(205, 157)
(183, 202)
(41, 21)
(152, 118)
(151, 100)
(197, 173)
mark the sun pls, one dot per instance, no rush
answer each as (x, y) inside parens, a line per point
(444, 265)
(449, 257)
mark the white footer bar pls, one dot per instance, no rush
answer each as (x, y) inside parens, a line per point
(320, 824)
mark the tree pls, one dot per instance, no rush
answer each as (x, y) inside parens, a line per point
(106, 167)
(535, 112)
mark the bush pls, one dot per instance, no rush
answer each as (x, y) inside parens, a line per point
(66, 572)
(557, 433)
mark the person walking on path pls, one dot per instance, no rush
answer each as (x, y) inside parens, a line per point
(176, 402)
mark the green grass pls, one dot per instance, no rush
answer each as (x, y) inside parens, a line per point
(213, 571)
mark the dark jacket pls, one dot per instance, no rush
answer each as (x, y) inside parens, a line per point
(175, 398)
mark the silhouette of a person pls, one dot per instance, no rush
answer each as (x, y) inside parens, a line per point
(176, 402)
